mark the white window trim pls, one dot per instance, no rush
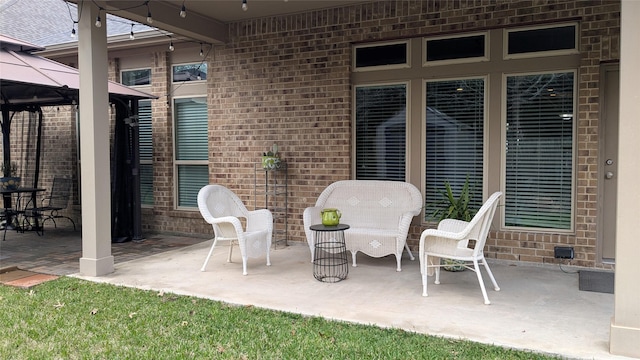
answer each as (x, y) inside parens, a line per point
(423, 140)
(503, 155)
(486, 56)
(505, 42)
(382, 67)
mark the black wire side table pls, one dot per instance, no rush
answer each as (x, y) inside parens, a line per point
(330, 262)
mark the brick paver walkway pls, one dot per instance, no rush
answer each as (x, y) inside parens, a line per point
(58, 252)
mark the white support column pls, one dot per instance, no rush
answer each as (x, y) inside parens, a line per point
(625, 324)
(94, 144)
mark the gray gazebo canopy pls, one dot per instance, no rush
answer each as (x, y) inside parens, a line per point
(30, 82)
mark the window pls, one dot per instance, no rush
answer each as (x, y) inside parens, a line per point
(456, 49)
(541, 41)
(146, 151)
(454, 133)
(505, 124)
(190, 72)
(191, 148)
(539, 150)
(381, 56)
(381, 120)
(136, 77)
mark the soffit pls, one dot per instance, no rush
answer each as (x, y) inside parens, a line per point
(207, 21)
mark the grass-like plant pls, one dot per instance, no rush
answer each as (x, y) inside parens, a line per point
(451, 206)
(455, 207)
(70, 318)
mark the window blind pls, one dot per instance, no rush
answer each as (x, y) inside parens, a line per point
(144, 130)
(454, 139)
(145, 140)
(191, 129)
(146, 184)
(539, 150)
(191, 178)
(381, 120)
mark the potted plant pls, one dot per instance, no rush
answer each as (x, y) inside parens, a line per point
(9, 180)
(452, 207)
(271, 159)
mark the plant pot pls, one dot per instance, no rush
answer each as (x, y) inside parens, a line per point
(453, 265)
(10, 183)
(270, 162)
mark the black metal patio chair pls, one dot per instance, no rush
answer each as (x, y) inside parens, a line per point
(56, 201)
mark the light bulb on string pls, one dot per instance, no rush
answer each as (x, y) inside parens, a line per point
(183, 11)
(245, 7)
(171, 48)
(98, 21)
(149, 18)
(131, 36)
(201, 52)
(73, 32)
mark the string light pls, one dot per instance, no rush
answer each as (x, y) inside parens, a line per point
(183, 14)
(149, 18)
(245, 7)
(183, 11)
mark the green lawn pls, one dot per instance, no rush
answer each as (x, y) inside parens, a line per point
(71, 318)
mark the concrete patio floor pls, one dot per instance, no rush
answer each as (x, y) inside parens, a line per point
(539, 307)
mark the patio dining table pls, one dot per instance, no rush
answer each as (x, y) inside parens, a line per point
(11, 211)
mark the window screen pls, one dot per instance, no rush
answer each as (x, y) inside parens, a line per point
(136, 77)
(539, 40)
(190, 72)
(381, 55)
(191, 148)
(539, 150)
(191, 178)
(191, 129)
(454, 136)
(456, 48)
(381, 120)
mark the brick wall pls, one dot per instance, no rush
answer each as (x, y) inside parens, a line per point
(58, 148)
(286, 80)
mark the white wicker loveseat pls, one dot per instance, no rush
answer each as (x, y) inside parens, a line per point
(378, 212)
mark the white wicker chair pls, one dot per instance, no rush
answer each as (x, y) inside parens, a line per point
(451, 241)
(221, 208)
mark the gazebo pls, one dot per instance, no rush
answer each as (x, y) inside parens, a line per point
(30, 82)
